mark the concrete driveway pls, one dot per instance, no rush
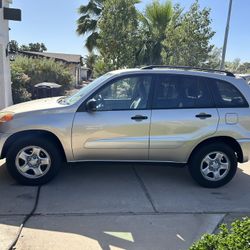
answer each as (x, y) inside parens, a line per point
(118, 206)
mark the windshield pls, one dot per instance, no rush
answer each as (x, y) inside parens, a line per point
(85, 90)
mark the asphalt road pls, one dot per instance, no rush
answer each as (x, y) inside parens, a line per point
(118, 206)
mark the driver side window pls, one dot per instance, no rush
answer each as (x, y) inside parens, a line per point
(124, 94)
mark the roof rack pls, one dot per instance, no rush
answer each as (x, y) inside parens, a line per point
(189, 68)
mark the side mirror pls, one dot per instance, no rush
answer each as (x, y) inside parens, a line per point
(91, 105)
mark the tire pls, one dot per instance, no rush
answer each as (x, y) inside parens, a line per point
(213, 165)
(33, 161)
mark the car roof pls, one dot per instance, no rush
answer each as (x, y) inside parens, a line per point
(190, 72)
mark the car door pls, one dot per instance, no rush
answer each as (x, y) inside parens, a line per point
(119, 127)
(183, 114)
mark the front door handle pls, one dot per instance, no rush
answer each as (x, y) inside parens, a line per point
(203, 115)
(139, 117)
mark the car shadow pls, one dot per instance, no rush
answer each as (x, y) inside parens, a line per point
(126, 205)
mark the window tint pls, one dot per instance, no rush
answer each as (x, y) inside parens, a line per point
(181, 92)
(124, 94)
(227, 95)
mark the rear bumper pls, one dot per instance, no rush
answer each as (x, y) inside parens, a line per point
(245, 147)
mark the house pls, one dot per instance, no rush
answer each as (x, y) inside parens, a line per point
(73, 62)
(6, 14)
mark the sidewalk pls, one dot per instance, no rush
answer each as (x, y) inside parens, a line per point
(118, 206)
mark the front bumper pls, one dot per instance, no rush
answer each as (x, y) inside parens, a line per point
(3, 139)
(245, 147)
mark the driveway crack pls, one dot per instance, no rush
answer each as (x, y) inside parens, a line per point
(144, 188)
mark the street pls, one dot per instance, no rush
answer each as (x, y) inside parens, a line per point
(118, 206)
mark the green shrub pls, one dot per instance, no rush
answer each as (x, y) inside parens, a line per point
(19, 81)
(27, 72)
(237, 237)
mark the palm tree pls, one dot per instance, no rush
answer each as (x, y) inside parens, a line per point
(87, 23)
(153, 30)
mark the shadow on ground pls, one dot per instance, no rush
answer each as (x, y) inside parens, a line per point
(118, 206)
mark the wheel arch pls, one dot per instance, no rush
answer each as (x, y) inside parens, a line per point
(222, 139)
(31, 133)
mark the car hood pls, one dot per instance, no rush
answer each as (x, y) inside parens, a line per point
(41, 104)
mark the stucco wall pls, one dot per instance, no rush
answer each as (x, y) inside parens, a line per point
(5, 81)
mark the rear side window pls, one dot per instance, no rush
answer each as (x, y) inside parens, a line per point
(180, 92)
(227, 95)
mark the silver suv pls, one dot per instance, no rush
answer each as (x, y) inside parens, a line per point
(180, 116)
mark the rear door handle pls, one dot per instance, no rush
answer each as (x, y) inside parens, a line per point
(139, 117)
(203, 115)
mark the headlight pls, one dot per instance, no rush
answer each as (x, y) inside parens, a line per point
(6, 117)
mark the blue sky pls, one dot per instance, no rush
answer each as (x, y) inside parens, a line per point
(54, 22)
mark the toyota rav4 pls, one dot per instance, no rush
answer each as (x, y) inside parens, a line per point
(177, 115)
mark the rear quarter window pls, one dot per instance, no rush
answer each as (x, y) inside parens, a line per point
(227, 95)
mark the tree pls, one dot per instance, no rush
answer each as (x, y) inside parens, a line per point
(214, 59)
(118, 36)
(153, 26)
(233, 66)
(244, 68)
(87, 23)
(188, 37)
(37, 47)
(14, 46)
(100, 67)
(90, 60)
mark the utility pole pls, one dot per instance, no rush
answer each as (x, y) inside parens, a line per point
(6, 14)
(222, 67)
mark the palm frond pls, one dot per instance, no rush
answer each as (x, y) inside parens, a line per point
(91, 41)
(93, 7)
(86, 25)
(159, 14)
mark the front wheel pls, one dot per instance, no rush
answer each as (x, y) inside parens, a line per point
(33, 161)
(213, 165)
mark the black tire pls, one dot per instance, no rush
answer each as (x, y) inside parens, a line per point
(50, 147)
(197, 158)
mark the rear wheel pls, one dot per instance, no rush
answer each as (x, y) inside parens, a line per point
(213, 165)
(33, 161)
